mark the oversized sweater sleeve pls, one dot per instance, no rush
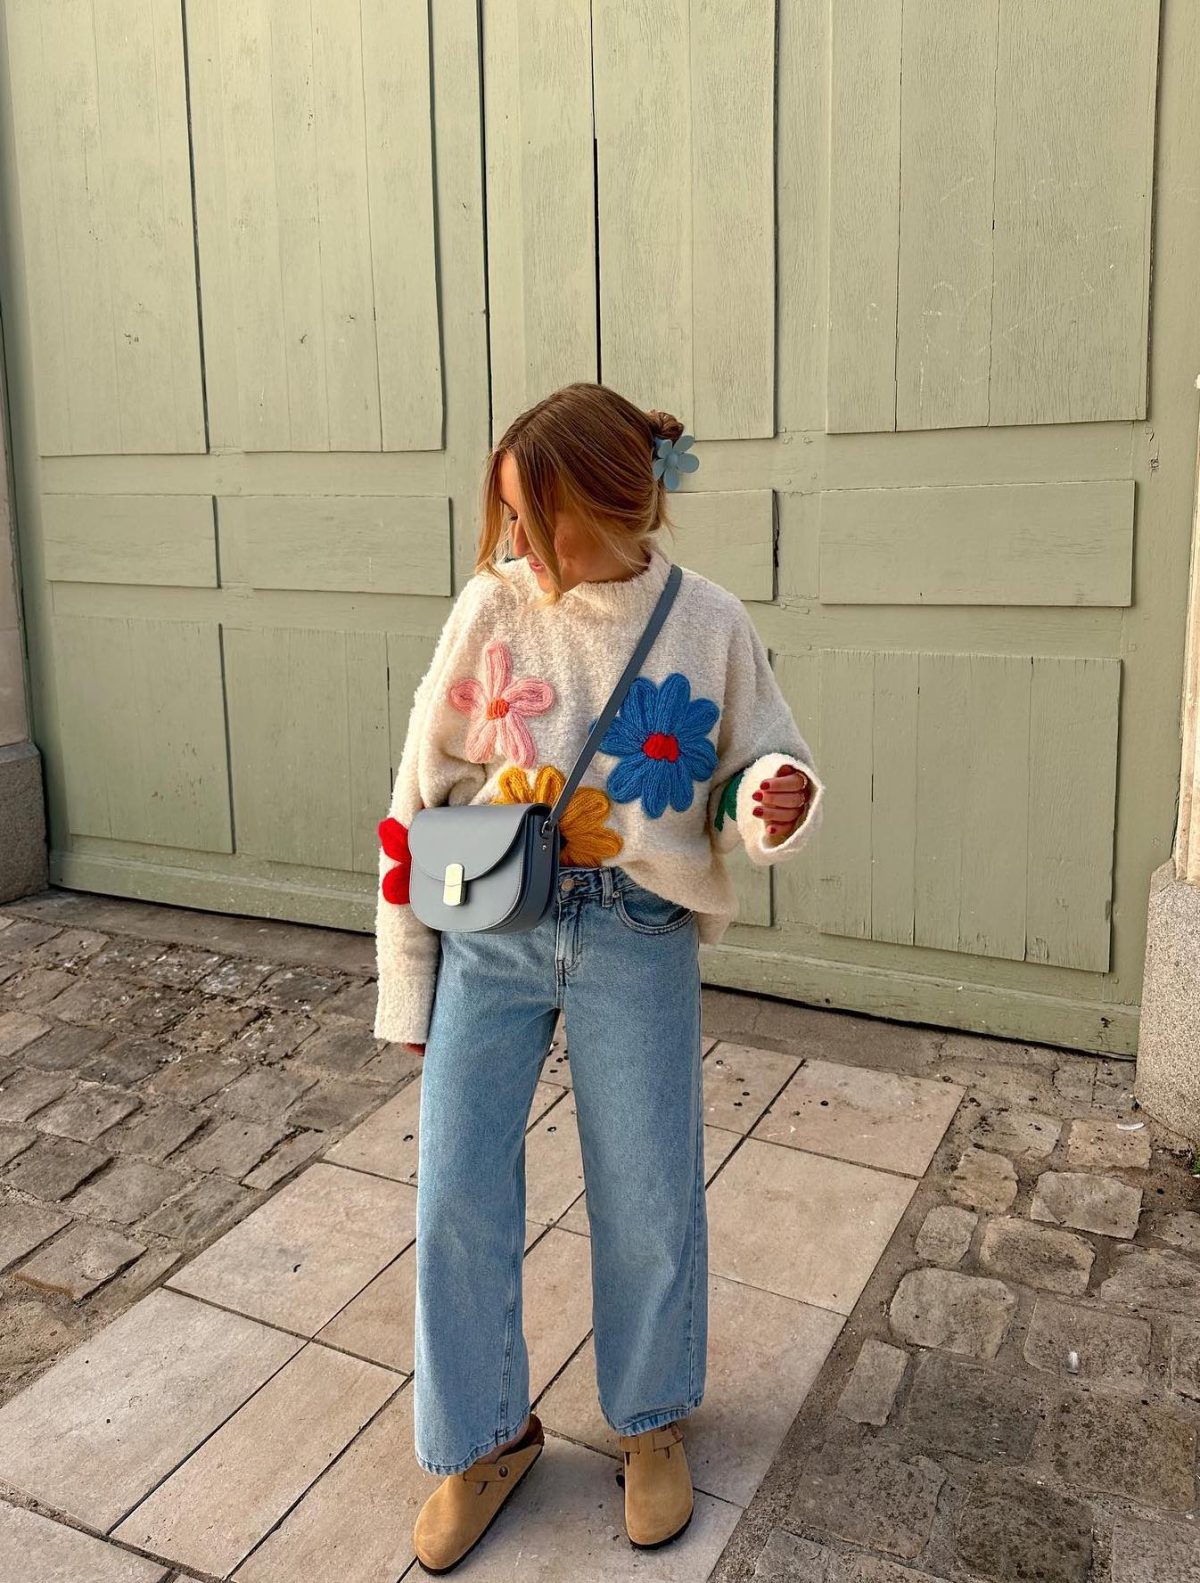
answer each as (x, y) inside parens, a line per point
(757, 736)
(430, 774)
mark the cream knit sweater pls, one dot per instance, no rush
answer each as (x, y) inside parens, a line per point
(505, 706)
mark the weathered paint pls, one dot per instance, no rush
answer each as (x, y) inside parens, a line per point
(890, 264)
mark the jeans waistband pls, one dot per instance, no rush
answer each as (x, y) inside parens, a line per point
(600, 884)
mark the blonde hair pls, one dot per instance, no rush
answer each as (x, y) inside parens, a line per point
(584, 449)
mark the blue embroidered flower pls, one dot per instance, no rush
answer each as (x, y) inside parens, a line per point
(672, 458)
(660, 736)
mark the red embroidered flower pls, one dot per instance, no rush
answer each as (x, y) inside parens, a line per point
(393, 837)
(498, 707)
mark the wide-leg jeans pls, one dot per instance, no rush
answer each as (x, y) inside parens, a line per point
(622, 963)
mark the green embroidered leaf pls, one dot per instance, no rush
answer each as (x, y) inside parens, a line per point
(728, 802)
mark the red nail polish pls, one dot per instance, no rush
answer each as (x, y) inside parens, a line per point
(758, 813)
(758, 796)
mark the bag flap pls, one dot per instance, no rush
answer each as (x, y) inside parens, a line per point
(477, 835)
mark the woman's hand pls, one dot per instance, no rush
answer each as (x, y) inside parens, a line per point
(415, 1049)
(782, 801)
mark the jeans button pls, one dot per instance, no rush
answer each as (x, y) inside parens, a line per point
(569, 882)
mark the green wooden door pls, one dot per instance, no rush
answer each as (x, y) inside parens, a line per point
(274, 282)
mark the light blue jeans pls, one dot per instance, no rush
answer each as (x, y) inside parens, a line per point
(623, 963)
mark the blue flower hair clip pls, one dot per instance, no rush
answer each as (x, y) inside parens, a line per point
(673, 457)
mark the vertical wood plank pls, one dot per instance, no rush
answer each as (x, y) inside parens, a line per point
(894, 798)
(796, 885)
(251, 227)
(77, 183)
(351, 369)
(214, 225)
(942, 729)
(864, 213)
(1072, 790)
(297, 132)
(847, 708)
(947, 124)
(1074, 150)
(644, 150)
(289, 732)
(34, 173)
(149, 253)
(399, 143)
(139, 767)
(541, 200)
(408, 657)
(369, 769)
(732, 56)
(995, 801)
(803, 212)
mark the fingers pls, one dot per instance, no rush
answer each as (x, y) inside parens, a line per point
(780, 800)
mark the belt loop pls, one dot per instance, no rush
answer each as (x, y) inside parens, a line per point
(606, 885)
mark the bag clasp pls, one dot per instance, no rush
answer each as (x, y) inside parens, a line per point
(452, 885)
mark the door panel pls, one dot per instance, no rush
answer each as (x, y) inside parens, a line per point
(889, 263)
(990, 197)
(101, 157)
(316, 222)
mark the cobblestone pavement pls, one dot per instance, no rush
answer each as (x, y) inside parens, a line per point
(1017, 1395)
(954, 1289)
(161, 1072)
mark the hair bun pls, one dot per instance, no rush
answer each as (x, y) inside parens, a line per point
(665, 425)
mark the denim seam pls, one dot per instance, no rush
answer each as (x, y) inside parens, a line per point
(697, 1199)
(510, 1328)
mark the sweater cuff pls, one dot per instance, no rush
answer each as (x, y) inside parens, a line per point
(403, 1008)
(761, 852)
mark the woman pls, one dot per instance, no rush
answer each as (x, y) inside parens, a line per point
(703, 755)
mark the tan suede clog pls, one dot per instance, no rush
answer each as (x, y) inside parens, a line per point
(658, 1486)
(462, 1508)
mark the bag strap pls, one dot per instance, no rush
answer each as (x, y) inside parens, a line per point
(606, 716)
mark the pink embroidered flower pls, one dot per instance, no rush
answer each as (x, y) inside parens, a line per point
(498, 708)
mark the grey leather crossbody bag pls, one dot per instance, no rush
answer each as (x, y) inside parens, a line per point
(493, 867)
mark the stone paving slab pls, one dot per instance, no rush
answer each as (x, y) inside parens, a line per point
(1110, 1350)
(34, 1549)
(387, 1142)
(211, 1512)
(24, 1227)
(1155, 1552)
(874, 1118)
(378, 1323)
(553, 1162)
(557, 1303)
(305, 1253)
(354, 1525)
(110, 1420)
(869, 1494)
(740, 1082)
(764, 1354)
(79, 1261)
(802, 1225)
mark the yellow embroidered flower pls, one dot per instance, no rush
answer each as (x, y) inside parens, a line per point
(587, 840)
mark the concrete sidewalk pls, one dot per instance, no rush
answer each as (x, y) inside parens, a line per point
(894, 1295)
